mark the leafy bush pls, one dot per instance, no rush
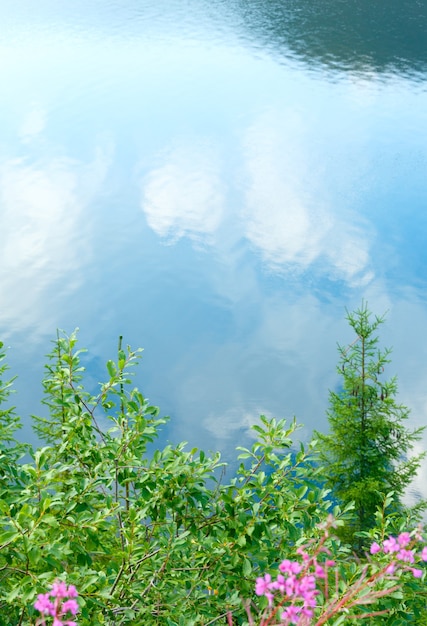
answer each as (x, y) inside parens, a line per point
(155, 538)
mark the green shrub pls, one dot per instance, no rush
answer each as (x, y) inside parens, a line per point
(155, 538)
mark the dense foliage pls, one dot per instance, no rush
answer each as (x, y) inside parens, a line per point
(366, 454)
(156, 536)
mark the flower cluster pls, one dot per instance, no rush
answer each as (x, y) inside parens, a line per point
(400, 547)
(296, 583)
(293, 595)
(57, 603)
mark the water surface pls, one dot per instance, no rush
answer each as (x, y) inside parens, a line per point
(217, 181)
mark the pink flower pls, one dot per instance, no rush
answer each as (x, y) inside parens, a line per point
(290, 585)
(406, 555)
(424, 554)
(44, 605)
(279, 584)
(262, 585)
(310, 598)
(59, 589)
(70, 606)
(291, 614)
(269, 597)
(375, 547)
(307, 612)
(417, 572)
(307, 583)
(390, 545)
(404, 539)
(72, 592)
(290, 567)
(59, 607)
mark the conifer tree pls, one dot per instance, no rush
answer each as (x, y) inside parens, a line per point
(367, 453)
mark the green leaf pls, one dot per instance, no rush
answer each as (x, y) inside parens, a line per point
(247, 567)
(111, 368)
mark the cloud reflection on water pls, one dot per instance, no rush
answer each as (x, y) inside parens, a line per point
(42, 203)
(183, 195)
(291, 224)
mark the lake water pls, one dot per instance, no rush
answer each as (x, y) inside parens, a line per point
(217, 181)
